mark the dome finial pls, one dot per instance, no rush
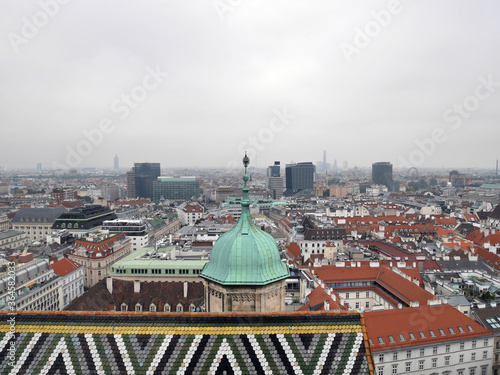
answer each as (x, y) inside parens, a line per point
(246, 161)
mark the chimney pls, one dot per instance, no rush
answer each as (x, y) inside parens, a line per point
(185, 289)
(137, 286)
(109, 285)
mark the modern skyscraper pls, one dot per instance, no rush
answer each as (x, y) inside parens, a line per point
(300, 178)
(131, 184)
(382, 174)
(117, 162)
(39, 167)
(324, 161)
(274, 170)
(144, 175)
(275, 182)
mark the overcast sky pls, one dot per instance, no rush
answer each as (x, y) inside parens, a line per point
(193, 83)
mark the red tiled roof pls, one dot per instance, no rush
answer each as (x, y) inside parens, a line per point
(493, 239)
(472, 218)
(408, 229)
(99, 247)
(192, 208)
(491, 259)
(424, 319)
(475, 236)
(445, 221)
(385, 276)
(316, 300)
(294, 249)
(64, 266)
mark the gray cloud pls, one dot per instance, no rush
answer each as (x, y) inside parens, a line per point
(227, 76)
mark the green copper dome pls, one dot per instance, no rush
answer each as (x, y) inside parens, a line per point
(246, 255)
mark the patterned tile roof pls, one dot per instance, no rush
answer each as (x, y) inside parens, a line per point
(197, 343)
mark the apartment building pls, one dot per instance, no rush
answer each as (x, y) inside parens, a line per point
(97, 253)
(428, 340)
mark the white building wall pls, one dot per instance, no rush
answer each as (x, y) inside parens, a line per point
(72, 286)
(464, 357)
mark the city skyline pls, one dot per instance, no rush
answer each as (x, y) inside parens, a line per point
(406, 83)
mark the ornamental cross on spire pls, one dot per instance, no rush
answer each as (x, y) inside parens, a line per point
(246, 161)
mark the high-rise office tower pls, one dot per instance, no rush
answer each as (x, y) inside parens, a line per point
(131, 183)
(300, 178)
(274, 170)
(117, 162)
(144, 175)
(382, 174)
(275, 182)
(39, 167)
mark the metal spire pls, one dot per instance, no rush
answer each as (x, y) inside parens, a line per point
(246, 161)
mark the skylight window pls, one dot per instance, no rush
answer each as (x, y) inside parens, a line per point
(380, 340)
(493, 322)
(401, 337)
(460, 329)
(412, 336)
(391, 339)
(422, 335)
(451, 330)
(441, 332)
(470, 328)
(432, 333)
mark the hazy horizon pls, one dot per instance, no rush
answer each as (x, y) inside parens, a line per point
(194, 85)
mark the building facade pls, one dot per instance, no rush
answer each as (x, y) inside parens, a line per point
(189, 213)
(145, 174)
(98, 253)
(175, 188)
(81, 221)
(4, 222)
(382, 174)
(37, 287)
(429, 340)
(133, 229)
(300, 178)
(36, 222)
(71, 274)
(131, 184)
(13, 239)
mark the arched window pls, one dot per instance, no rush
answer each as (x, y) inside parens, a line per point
(63, 225)
(124, 307)
(166, 307)
(75, 226)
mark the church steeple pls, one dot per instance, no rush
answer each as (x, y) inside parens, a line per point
(246, 255)
(245, 201)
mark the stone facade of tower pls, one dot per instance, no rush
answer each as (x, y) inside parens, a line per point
(267, 298)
